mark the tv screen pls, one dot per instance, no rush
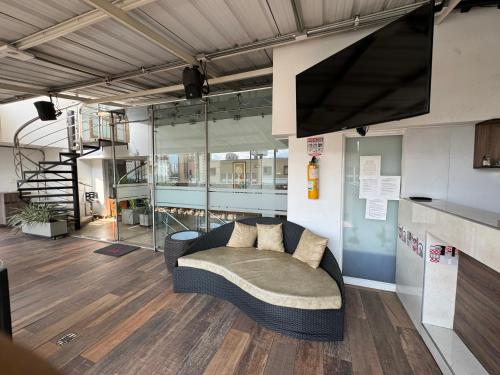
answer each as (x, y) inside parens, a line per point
(383, 77)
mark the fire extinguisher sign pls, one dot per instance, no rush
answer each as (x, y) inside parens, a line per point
(315, 146)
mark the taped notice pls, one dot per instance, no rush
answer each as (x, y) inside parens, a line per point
(376, 209)
(369, 166)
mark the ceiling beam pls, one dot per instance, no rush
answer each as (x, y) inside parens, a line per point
(446, 11)
(40, 92)
(297, 13)
(64, 64)
(123, 76)
(364, 21)
(243, 49)
(180, 87)
(74, 24)
(133, 24)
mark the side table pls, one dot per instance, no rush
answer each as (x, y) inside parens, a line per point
(176, 245)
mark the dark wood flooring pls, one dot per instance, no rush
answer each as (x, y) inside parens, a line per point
(128, 321)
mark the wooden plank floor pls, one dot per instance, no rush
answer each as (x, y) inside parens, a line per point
(128, 321)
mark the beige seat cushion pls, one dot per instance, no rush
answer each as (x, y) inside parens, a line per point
(273, 277)
(270, 237)
(311, 248)
(243, 235)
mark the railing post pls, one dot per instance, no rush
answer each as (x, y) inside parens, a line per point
(70, 119)
(153, 176)
(76, 195)
(115, 181)
(207, 169)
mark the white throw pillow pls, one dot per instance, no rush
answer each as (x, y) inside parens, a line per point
(270, 237)
(243, 235)
(311, 248)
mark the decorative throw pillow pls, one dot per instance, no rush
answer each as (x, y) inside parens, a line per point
(270, 237)
(311, 248)
(243, 235)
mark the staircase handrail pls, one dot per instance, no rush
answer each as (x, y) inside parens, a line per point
(20, 157)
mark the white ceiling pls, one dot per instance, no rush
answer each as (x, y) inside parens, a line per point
(107, 48)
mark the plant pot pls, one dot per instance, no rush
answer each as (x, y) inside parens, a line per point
(51, 230)
(130, 216)
(146, 220)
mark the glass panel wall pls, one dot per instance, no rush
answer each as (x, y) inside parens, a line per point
(226, 138)
(180, 167)
(229, 138)
(117, 194)
(247, 164)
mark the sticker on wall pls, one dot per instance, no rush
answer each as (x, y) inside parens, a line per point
(409, 237)
(420, 249)
(315, 146)
(434, 254)
(414, 244)
(411, 241)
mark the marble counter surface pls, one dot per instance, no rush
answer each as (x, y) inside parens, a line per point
(488, 218)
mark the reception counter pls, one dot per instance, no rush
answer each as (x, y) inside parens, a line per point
(447, 275)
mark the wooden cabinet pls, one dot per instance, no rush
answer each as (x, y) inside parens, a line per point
(487, 143)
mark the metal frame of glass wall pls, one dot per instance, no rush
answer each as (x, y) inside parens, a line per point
(217, 174)
(210, 161)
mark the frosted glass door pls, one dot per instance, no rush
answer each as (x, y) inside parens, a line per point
(369, 246)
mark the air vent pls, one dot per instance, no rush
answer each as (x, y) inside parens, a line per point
(66, 339)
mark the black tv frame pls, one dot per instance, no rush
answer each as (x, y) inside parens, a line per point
(299, 132)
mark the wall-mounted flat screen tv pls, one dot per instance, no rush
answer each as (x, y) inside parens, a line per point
(383, 77)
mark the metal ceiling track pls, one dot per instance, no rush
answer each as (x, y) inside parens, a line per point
(75, 23)
(375, 19)
(372, 20)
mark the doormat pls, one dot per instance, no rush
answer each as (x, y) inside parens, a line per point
(116, 250)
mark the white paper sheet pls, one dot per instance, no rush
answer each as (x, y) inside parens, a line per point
(389, 187)
(369, 166)
(369, 187)
(376, 209)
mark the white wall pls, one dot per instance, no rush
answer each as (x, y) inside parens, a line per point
(465, 88)
(13, 115)
(465, 74)
(446, 154)
(8, 177)
(323, 216)
(91, 172)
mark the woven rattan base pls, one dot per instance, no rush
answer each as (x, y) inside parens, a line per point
(317, 325)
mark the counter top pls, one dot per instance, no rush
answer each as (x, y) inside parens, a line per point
(488, 218)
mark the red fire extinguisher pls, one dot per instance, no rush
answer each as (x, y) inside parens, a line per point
(313, 179)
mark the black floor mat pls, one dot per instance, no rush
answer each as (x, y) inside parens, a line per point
(116, 250)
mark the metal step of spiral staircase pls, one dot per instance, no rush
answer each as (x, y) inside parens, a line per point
(55, 182)
(86, 130)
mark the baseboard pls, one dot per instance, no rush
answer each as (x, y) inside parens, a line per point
(370, 283)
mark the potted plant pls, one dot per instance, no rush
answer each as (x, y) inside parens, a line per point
(39, 219)
(131, 214)
(146, 218)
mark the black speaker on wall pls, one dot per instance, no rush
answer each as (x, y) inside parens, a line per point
(193, 80)
(46, 110)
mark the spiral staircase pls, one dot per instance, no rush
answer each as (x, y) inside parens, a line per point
(46, 153)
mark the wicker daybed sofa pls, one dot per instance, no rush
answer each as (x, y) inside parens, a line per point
(318, 324)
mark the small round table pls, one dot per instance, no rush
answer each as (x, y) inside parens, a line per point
(176, 245)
